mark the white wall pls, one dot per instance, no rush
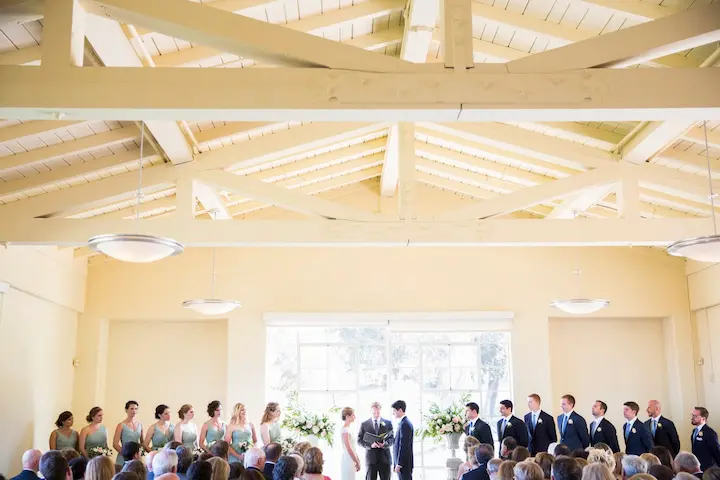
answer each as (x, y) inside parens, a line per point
(38, 322)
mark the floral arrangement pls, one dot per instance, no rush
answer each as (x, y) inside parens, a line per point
(288, 445)
(308, 424)
(242, 447)
(444, 421)
(101, 450)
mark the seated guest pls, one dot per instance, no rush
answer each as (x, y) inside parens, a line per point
(200, 471)
(483, 454)
(165, 461)
(603, 457)
(272, 454)
(302, 447)
(661, 472)
(688, 463)
(471, 463)
(168, 476)
(54, 466)
(236, 470)
(684, 476)
(285, 468)
(130, 451)
(220, 468)
(551, 448)
(252, 475)
(205, 456)
(632, 465)
(172, 445)
(255, 459)
(30, 465)
(566, 468)
(545, 461)
(78, 466)
(314, 464)
(520, 454)
(618, 465)
(597, 471)
(220, 449)
(508, 445)
(650, 459)
(582, 463)
(663, 455)
(100, 468)
(506, 470)
(492, 467)
(712, 473)
(642, 476)
(528, 471)
(184, 461)
(301, 465)
(126, 475)
(603, 446)
(137, 467)
(148, 464)
(70, 454)
(579, 453)
(561, 450)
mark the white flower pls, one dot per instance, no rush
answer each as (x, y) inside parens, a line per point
(634, 431)
(308, 424)
(456, 420)
(599, 429)
(570, 421)
(539, 420)
(457, 428)
(316, 429)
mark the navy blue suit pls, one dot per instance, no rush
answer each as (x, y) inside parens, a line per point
(638, 440)
(605, 433)
(576, 434)
(26, 475)
(542, 435)
(479, 473)
(515, 428)
(268, 470)
(403, 449)
(666, 435)
(706, 448)
(481, 431)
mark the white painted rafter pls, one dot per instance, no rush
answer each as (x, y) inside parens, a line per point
(581, 201)
(63, 43)
(420, 20)
(211, 201)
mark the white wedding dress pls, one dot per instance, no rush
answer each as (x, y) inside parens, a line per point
(347, 466)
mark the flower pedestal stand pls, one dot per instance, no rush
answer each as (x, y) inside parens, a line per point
(314, 441)
(453, 463)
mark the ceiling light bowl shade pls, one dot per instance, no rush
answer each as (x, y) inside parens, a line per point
(701, 249)
(580, 306)
(135, 248)
(212, 306)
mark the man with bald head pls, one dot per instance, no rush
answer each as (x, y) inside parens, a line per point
(30, 464)
(662, 429)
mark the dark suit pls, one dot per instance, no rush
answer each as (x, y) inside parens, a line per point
(378, 460)
(542, 434)
(706, 448)
(403, 449)
(576, 434)
(515, 428)
(268, 470)
(26, 475)
(257, 470)
(638, 440)
(604, 433)
(666, 435)
(479, 473)
(481, 431)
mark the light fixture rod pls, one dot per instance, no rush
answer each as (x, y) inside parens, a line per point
(140, 172)
(712, 194)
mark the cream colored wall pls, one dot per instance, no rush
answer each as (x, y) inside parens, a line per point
(640, 283)
(38, 320)
(614, 360)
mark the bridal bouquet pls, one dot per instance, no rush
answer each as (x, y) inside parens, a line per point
(97, 451)
(242, 447)
(288, 445)
(444, 421)
(308, 424)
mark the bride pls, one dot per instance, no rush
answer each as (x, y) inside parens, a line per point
(350, 462)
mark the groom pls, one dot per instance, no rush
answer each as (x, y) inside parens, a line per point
(403, 447)
(377, 458)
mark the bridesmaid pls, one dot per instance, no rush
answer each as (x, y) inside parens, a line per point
(185, 430)
(160, 432)
(239, 431)
(214, 429)
(95, 434)
(64, 437)
(129, 430)
(269, 426)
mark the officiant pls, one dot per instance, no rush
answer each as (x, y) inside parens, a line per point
(376, 437)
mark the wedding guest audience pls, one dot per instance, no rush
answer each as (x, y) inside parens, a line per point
(483, 454)
(469, 442)
(603, 457)
(285, 468)
(528, 471)
(165, 461)
(520, 454)
(64, 437)
(492, 468)
(100, 468)
(545, 461)
(581, 462)
(54, 466)
(314, 464)
(252, 475)
(255, 459)
(30, 465)
(205, 456)
(471, 463)
(160, 432)
(632, 465)
(272, 454)
(168, 476)
(663, 455)
(566, 468)
(70, 454)
(302, 447)
(95, 434)
(301, 464)
(126, 476)
(642, 476)
(712, 473)
(505, 472)
(184, 461)
(148, 464)
(661, 472)
(236, 470)
(650, 459)
(78, 466)
(688, 463)
(137, 467)
(130, 451)
(551, 448)
(579, 453)
(506, 448)
(561, 450)
(269, 426)
(200, 471)
(220, 449)
(597, 471)
(604, 446)
(684, 476)
(220, 468)
(173, 445)
(618, 465)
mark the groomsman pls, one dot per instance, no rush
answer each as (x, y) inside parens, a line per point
(475, 426)
(541, 427)
(662, 429)
(601, 430)
(573, 428)
(704, 440)
(637, 437)
(510, 425)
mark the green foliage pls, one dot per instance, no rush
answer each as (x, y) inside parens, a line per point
(444, 421)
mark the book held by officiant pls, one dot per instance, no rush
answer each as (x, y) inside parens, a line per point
(372, 438)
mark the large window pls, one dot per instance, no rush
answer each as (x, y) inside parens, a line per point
(356, 365)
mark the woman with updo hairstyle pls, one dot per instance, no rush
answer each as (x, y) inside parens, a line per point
(185, 429)
(129, 430)
(269, 425)
(160, 432)
(506, 470)
(64, 437)
(239, 432)
(95, 434)
(350, 462)
(314, 464)
(214, 429)
(100, 468)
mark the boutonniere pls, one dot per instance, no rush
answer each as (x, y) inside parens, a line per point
(509, 424)
(599, 429)
(700, 434)
(659, 425)
(570, 421)
(633, 430)
(539, 420)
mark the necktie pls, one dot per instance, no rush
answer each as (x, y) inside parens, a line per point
(504, 425)
(564, 424)
(695, 432)
(654, 426)
(534, 420)
(377, 429)
(592, 428)
(472, 426)
(627, 429)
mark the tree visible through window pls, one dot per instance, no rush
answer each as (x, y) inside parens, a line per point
(355, 366)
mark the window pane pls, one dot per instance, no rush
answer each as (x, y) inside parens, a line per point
(463, 356)
(464, 379)
(493, 354)
(313, 357)
(436, 356)
(373, 355)
(373, 379)
(313, 379)
(436, 378)
(342, 367)
(405, 356)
